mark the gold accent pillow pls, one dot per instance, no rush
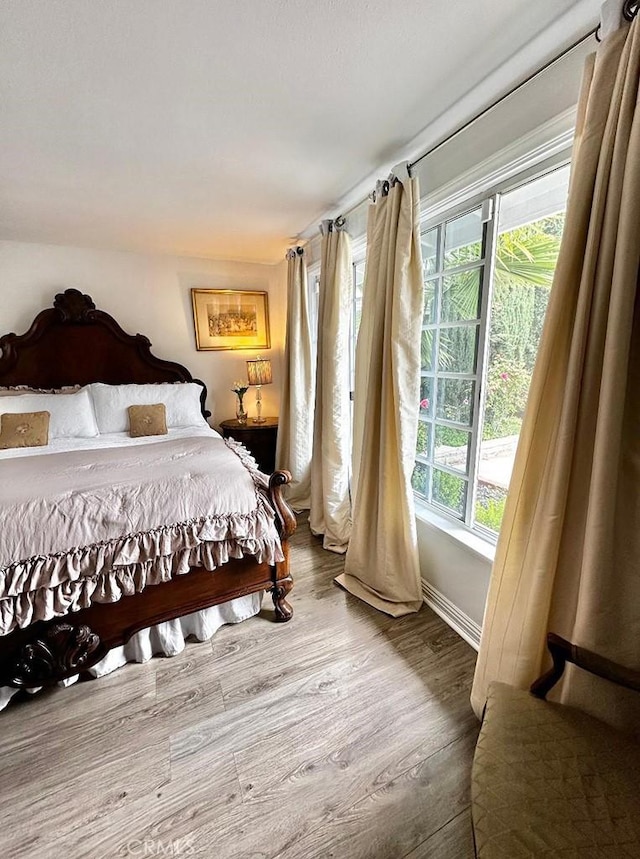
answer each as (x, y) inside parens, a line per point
(147, 420)
(26, 429)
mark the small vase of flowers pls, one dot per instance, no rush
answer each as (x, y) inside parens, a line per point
(240, 389)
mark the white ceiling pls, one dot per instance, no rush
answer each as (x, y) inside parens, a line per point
(223, 129)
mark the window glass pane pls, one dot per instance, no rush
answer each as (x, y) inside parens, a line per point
(430, 251)
(490, 501)
(463, 239)
(426, 350)
(455, 400)
(529, 233)
(420, 479)
(458, 349)
(429, 312)
(449, 491)
(452, 448)
(423, 443)
(426, 396)
(358, 283)
(314, 300)
(461, 296)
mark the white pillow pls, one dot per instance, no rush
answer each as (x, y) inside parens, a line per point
(71, 415)
(181, 401)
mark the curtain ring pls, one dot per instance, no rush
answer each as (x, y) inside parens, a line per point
(630, 9)
(599, 33)
(340, 221)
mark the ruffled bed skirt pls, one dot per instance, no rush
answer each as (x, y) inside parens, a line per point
(164, 639)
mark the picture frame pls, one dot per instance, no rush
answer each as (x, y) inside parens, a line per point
(230, 319)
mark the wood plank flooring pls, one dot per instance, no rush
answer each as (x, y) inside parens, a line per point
(342, 734)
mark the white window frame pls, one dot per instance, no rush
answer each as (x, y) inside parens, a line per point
(358, 258)
(447, 210)
(486, 263)
(313, 291)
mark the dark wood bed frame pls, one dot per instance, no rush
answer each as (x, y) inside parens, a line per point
(72, 343)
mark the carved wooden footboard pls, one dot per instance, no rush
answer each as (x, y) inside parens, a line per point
(75, 344)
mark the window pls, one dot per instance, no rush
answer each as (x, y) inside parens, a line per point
(486, 285)
(313, 289)
(356, 314)
(455, 255)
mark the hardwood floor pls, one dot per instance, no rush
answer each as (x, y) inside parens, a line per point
(342, 734)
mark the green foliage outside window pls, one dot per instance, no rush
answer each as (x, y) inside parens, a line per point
(422, 445)
(525, 264)
(490, 512)
(507, 391)
(449, 491)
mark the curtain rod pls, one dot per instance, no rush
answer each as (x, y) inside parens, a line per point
(506, 95)
(630, 9)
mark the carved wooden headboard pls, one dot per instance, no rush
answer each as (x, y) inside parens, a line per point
(72, 343)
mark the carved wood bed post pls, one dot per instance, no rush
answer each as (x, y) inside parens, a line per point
(286, 524)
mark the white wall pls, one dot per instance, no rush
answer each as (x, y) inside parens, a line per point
(149, 295)
(458, 572)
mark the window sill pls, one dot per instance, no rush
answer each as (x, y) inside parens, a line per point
(456, 531)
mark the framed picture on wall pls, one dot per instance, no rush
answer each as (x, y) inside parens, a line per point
(230, 319)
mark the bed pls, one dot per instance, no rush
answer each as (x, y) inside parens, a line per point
(110, 558)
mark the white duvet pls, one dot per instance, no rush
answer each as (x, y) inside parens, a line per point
(90, 520)
(115, 439)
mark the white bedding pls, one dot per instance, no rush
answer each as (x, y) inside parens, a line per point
(165, 638)
(181, 401)
(71, 415)
(94, 520)
(61, 568)
(115, 439)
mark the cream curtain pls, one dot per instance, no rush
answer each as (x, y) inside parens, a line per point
(568, 557)
(330, 513)
(295, 426)
(381, 566)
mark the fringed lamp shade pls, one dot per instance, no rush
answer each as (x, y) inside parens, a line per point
(259, 372)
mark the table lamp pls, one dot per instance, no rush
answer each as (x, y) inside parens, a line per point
(259, 374)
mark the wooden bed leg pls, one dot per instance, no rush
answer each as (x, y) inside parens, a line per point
(286, 524)
(279, 592)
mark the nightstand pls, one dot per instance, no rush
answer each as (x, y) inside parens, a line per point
(259, 439)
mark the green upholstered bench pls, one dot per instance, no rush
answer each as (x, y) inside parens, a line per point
(551, 781)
